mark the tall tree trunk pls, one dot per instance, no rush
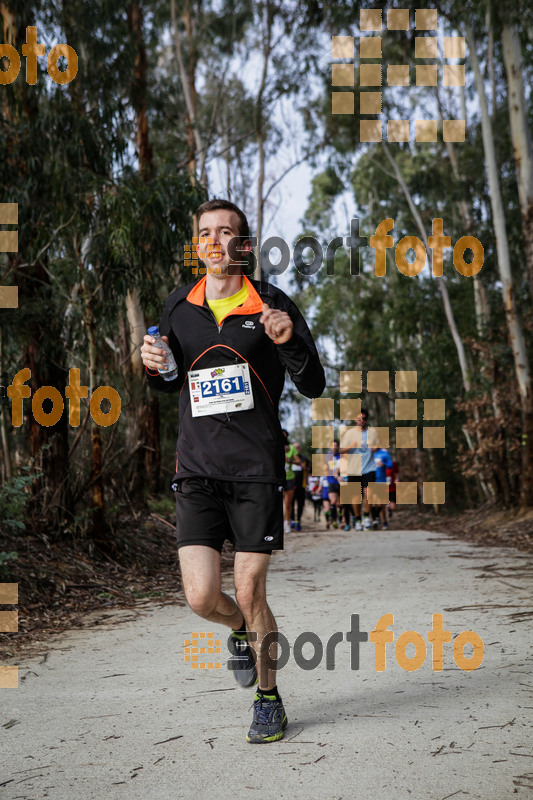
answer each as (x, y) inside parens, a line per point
(459, 346)
(259, 126)
(197, 153)
(516, 338)
(521, 138)
(48, 445)
(143, 422)
(8, 471)
(456, 336)
(95, 478)
(482, 311)
(481, 305)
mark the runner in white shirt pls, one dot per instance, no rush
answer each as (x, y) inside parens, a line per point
(359, 441)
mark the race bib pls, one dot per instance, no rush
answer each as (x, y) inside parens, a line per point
(218, 390)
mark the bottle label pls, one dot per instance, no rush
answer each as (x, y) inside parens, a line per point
(217, 390)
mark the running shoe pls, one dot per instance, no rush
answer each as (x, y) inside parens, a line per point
(385, 526)
(298, 527)
(346, 527)
(242, 660)
(286, 527)
(375, 524)
(269, 722)
(367, 524)
(358, 526)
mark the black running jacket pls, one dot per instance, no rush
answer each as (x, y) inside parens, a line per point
(241, 445)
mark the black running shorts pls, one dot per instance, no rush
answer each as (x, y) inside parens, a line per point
(364, 480)
(250, 515)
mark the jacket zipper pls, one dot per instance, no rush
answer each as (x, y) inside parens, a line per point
(228, 419)
(216, 323)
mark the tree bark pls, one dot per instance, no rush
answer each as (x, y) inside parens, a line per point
(516, 338)
(521, 139)
(459, 346)
(143, 418)
(95, 479)
(48, 445)
(197, 157)
(260, 138)
(482, 312)
(8, 471)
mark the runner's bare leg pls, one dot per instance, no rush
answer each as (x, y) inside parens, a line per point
(200, 573)
(288, 494)
(250, 592)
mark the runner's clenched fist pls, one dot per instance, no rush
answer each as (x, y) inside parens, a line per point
(278, 324)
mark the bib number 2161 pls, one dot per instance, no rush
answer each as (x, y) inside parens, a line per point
(219, 390)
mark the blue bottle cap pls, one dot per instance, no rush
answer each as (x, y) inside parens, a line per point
(153, 331)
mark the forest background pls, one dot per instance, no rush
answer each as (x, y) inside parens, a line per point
(176, 101)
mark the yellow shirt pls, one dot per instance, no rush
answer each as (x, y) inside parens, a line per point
(221, 308)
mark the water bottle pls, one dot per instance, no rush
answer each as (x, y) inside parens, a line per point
(172, 369)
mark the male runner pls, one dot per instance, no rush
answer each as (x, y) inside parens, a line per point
(392, 477)
(383, 463)
(332, 461)
(233, 339)
(360, 441)
(291, 460)
(300, 470)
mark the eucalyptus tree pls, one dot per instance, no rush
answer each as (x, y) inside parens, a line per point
(454, 179)
(91, 229)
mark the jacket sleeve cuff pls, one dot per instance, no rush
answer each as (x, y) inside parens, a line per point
(295, 349)
(304, 369)
(159, 384)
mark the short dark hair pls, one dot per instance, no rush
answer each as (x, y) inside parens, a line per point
(225, 205)
(364, 412)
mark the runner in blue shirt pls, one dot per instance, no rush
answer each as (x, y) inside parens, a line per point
(329, 484)
(382, 462)
(332, 462)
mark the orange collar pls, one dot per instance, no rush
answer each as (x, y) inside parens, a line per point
(252, 305)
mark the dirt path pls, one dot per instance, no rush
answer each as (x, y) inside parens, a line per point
(114, 711)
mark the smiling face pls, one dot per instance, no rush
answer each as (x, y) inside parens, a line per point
(219, 226)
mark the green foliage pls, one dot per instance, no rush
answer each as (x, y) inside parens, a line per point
(5, 558)
(92, 228)
(396, 322)
(13, 500)
(165, 505)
